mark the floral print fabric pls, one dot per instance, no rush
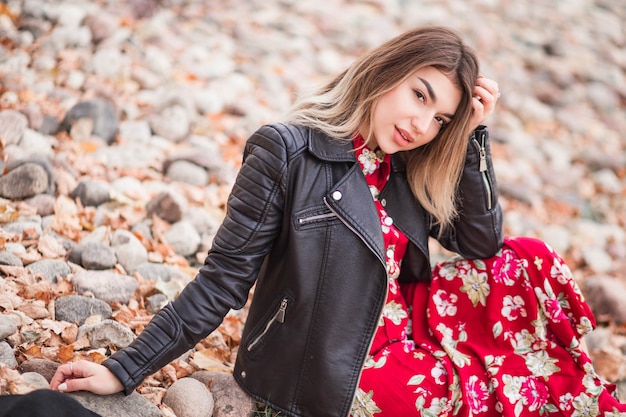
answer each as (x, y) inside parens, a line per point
(493, 337)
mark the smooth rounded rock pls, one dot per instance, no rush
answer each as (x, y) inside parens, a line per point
(187, 391)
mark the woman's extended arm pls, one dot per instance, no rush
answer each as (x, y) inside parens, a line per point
(252, 221)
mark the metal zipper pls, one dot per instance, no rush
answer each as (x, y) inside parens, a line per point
(316, 217)
(278, 317)
(482, 168)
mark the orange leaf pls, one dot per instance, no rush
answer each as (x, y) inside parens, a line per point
(96, 357)
(33, 352)
(66, 353)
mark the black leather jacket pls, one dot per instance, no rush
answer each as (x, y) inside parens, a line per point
(301, 224)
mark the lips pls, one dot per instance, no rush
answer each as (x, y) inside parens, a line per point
(405, 135)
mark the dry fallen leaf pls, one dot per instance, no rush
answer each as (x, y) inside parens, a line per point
(50, 247)
(34, 309)
(208, 360)
(56, 326)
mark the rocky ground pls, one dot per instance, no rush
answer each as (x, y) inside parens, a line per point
(121, 130)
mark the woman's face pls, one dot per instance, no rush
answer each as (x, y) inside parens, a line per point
(412, 113)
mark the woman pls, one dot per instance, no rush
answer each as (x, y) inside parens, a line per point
(330, 216)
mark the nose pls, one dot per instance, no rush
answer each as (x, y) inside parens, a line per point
(421, 123)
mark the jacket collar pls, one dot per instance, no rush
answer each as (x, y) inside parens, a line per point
(332, 149)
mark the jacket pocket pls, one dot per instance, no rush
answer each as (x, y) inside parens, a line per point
(314, 217)
(264, 332)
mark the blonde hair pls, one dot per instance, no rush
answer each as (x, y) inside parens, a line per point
(345, 106)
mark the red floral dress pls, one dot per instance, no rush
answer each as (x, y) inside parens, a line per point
(493, 337)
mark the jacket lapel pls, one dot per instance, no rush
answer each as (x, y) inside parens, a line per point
(351, 200)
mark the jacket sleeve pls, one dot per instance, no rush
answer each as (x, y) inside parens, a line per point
(252, 221)
(477, 232)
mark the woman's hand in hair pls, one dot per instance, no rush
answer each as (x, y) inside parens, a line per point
(85, 376)
(486, 93)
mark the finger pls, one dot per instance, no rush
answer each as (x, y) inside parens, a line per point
(62, 373)
(484, 95)
(488, 84)
(77, 384)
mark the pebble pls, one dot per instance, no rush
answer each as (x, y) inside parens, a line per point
(100, 112)
(118, 405)
(8, 258)
(12, 125)
(92, 193)
(7, 327)
(77, 309)
(187, 391)
(43, 367)
(51, 269)
(230, 399)
(117, 115)
(107, 286)
(106, 333)
(183, 237)
(25, 181)
(606, 295)
(168, 205)
(35, 380)
(98, 256)
(7, 356)
(129, 250)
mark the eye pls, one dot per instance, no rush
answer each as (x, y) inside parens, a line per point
(441, 121)
(420, 96)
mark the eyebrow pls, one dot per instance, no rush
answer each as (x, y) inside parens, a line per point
(432, 95)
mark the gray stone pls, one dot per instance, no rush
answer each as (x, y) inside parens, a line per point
(129, 250)
(102, 25)
(43, 203)
(183, 237)
(117, 405)
(35, 380)
(172, 123)
(168, 205)
(156, 302)
(188, 391)
(8, 258)
(106, 333)
(50, 269)
(24, 181)
(12, 125)
(41, 160)
(34, 144)
(230, 399)
(187, 172)
(92, 193)
(102, 114)
(77, 308)
(19, 227)
(7, 326)
(606, 295)
(7, 356)
(135, 131)
(98, 256)
(43, 367)
(155, 271)
(107, 286)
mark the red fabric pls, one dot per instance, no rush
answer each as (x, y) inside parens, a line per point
(489, 337)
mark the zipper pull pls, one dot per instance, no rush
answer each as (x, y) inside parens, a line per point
(482, 166)
(280, 314)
